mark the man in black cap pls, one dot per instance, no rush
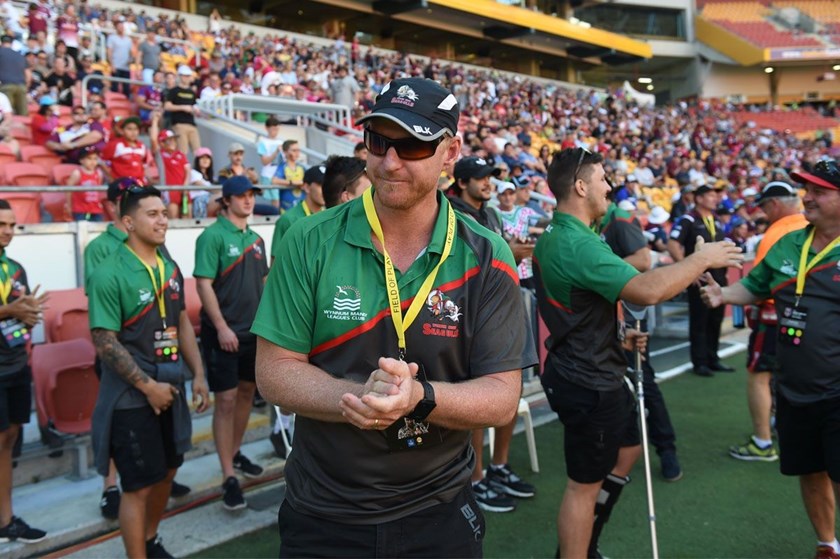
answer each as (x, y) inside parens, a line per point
(393, 329)
(780, 203)
(802, 273)
(703, 323)
(469, 193)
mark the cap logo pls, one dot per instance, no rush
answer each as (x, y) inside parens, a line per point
(422, 129)
(480, 161)
(408, 93)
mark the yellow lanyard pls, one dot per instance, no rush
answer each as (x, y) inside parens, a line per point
(158, 292)
(6, 286)
(306, 211)
(805, 266)
(400, 325)
(710, 225)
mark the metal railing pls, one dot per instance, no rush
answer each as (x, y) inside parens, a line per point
(104, 78)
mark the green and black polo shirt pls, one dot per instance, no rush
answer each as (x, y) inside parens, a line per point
(13, 359)
(579, 281)
(283, 224)
(810, 371)
(100, 248)
(621, 231)
(329, 301)
(235, 260)
(121, 298)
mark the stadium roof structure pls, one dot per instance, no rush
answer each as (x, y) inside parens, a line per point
(511, 25)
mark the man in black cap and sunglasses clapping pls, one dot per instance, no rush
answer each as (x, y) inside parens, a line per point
(801, 271)
(392, 328)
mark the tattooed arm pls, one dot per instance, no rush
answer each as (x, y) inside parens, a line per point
(119, 360)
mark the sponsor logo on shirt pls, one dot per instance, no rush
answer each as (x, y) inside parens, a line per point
(258, 253)
(233, 250)
(787, 268)
(347, 304)
(443, 311)
(174, 289)
(144, 295)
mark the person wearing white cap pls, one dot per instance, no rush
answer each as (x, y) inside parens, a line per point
(182, 110)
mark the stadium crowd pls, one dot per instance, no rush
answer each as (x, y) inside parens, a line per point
(658, 160)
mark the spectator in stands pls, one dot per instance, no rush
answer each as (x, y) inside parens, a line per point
(180, 105)
(644, 174)
(125, 154)
(344, 89)
(69, 141)
(67, 27)
(230, 270)
(86, 206)
(13, 74)
(20, 311)
(62, 53)
(312, 203)
(360, 151)
(45, 121)
(213, 88)
(119, 46)
(270, 150)
(202, 175)
(10, 17)
(289, 175)
(142, 404)
(176, 168)
(60, 83)
(38, 18)
(99, 115)
(148, 55)
(149, 98)
(95, 85)
(7, 124)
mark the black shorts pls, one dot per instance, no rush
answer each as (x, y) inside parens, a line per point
(143, 447)
(597, 424)
(15, 402)
(809, 437)
(761, 353)
(226, 369)
(454, 529)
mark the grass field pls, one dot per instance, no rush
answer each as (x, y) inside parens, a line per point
(721, 508)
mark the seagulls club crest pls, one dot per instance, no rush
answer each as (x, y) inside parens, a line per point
(443, 310)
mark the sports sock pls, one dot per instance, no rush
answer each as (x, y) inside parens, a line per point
(607, 498)
(761, 443)
(834, 544)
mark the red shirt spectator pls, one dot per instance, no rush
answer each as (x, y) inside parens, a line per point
(126, 155)
(39, 18)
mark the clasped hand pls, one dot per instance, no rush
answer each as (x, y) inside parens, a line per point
(385, 397)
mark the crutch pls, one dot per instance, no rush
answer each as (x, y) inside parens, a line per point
(639, 313)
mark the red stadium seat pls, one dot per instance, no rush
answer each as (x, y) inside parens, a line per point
(7, 155)
(26, 205)
(23, 135)
(62, 172)
(193, 303)
(39, 155)
(66, 315)
(26, 174)
(66, 386)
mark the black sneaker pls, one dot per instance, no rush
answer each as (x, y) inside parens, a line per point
(278, 444)
(155, 549)
(671, 470)
(18, 530)
(490, 500)
(245, 466)
(178, 490)
(503, 480)
(232, 499)
(109, 504)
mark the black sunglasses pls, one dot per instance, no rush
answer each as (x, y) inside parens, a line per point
(410, 149)
(127, 193)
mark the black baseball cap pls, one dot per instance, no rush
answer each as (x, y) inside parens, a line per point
(315, 174)
(704, 188)
(776, 189)
(423, 108)
(825, 174)
(474, 168)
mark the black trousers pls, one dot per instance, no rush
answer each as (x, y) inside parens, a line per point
(660, 429)
(126, 87)
(703, 329)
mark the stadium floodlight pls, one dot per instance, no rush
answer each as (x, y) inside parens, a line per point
(769, 70)
(645, 80)
(836, 67)
(649, 87)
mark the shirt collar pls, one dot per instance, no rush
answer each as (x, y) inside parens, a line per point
(358, 231)
(115, 232)
(568, 220)
(229, 226)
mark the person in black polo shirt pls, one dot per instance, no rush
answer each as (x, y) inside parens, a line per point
(703, 323)
(389, 376)
(181, 110)
(579, 283)
(801, 271)
(230, 267)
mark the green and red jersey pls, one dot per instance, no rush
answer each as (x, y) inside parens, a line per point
(13, 359)
(808, 371)
(235, 259)
(102, 247)
(283, 224)
(579, 282)
(328, 300)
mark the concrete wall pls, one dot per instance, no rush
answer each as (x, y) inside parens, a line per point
(794, 83)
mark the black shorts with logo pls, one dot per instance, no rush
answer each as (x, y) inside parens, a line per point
(16, 400)
(809, 437)
(143, 447)
(454, 529)
(224, 368)
(597, 424)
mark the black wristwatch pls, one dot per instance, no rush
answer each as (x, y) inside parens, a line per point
(426, 405)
